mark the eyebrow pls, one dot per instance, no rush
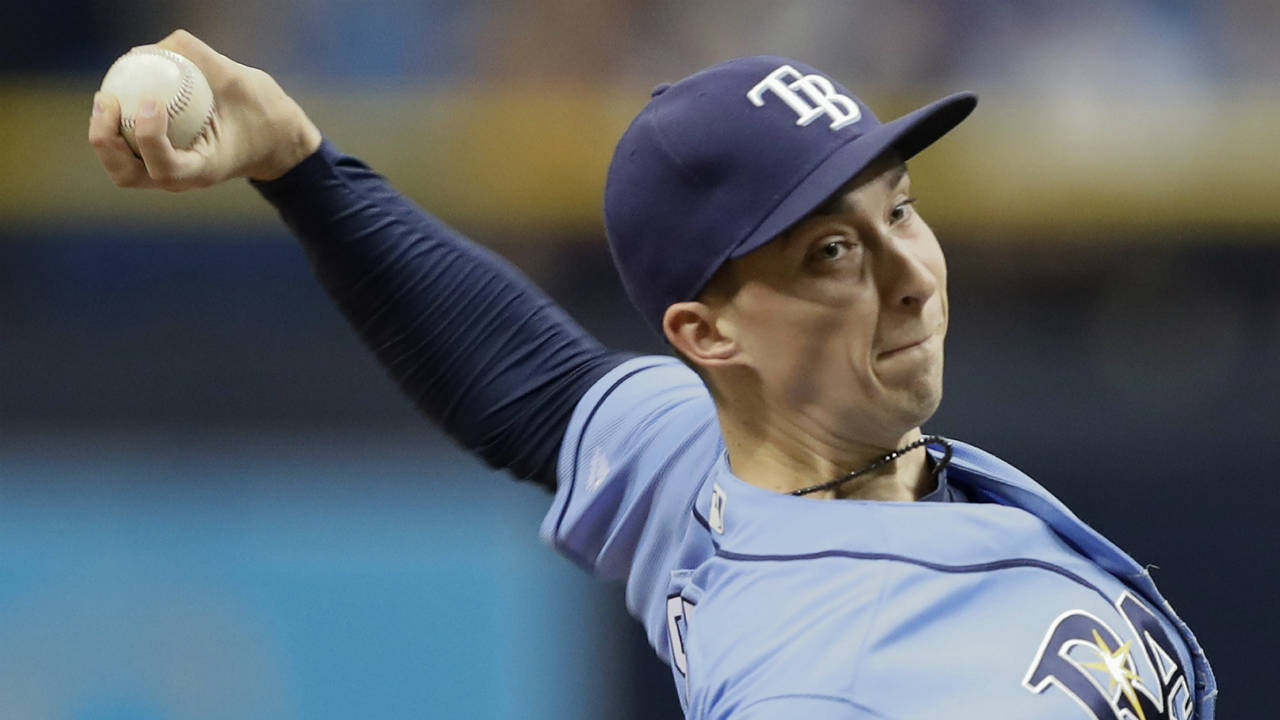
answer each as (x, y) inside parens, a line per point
(832, 204)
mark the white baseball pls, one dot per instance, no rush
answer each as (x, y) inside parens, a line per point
(172, 81)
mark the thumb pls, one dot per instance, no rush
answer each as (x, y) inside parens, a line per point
(213, 64)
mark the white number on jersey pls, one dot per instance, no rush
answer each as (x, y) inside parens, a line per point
(679, 611)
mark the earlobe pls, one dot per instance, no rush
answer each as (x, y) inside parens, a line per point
(699, 333)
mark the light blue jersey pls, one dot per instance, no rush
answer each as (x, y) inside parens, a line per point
(772, 606)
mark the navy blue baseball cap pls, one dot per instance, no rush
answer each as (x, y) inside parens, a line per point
(725, 160)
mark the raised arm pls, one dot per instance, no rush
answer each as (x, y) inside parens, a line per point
(471, 341)
(477, 347)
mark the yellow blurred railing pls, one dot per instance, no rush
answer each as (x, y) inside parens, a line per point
(533, 160)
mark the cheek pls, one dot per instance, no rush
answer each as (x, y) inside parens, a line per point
(941, 274)
(798, 342)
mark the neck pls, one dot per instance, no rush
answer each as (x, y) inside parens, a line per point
(784, 455)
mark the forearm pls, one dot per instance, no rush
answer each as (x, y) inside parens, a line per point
(467, 337)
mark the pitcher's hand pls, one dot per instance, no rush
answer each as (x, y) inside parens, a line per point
(257, 131)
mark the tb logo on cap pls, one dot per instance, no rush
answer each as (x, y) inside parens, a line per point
(821, 96)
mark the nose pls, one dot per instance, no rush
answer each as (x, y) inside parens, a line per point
(907, 274)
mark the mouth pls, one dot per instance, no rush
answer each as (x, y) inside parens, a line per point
(900, 349)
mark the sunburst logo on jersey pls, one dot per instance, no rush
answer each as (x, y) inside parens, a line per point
(1118, 665)
(1100, 669)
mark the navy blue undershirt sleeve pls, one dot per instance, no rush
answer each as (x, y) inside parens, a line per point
(477, 347)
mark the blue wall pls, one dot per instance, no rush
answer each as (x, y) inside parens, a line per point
(305, 575)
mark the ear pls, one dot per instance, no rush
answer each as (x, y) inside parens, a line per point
(702, 334)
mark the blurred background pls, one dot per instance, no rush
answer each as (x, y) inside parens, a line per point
(213, 503)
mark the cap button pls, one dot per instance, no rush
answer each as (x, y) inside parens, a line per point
(659, 89)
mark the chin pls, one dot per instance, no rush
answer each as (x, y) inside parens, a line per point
(918, 413)
(920, 400)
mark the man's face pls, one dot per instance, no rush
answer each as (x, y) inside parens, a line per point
(842, 317)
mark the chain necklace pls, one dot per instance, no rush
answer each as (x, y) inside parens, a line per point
(885, 460)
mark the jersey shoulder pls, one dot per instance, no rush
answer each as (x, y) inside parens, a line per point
(638, 447)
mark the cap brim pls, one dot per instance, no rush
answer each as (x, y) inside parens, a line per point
(908, 135)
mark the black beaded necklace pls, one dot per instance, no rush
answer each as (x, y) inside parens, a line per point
(885, 460)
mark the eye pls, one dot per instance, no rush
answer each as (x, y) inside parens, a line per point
(831, 248)
(903, 210)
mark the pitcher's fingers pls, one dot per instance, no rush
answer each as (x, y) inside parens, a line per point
(117, 158)
(168, 167)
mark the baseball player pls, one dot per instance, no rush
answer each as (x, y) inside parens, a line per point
(793, 544)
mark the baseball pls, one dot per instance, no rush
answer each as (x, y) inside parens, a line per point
(173, 81)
